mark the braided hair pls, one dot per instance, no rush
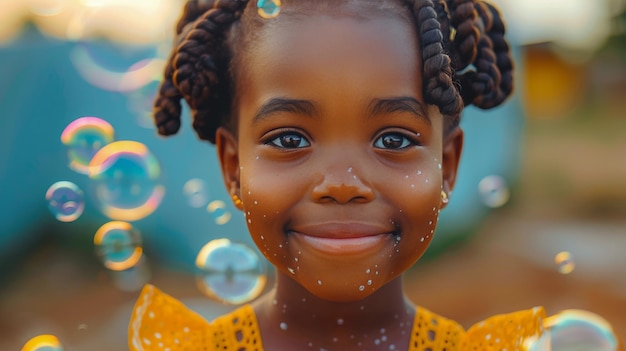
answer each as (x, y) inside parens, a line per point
(466, 59)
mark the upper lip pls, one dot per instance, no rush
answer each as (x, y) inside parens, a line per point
(343, 230)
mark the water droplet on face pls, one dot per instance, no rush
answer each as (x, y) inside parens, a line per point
(350, 170)
(65, 201)
(217, 209)
(126, 177)
(494, 191)
(319, 282)
(291, 270)
(118, 245)
(369, 282)
(377, 341)
(43, 343)
(368, 271)
(361, 288)
(196, 192)
(283, 326)
(83, 138)
(565, 262)
(339, 321)
(230, 272)
(268, 9)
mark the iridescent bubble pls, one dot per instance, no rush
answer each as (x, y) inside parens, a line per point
(126, 176)
(230, 272)
(47, 7)
(118, 245)
(65, 201)
(578, 330)
(494, 191)
(196, 192)
(268, 8)
(218, 210)
(43, 343)
(141, 101)
(97, 66)
(564, 262)
(83, 138)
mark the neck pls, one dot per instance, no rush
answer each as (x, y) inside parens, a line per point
(290, 312)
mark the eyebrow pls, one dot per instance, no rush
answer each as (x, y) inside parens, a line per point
(399, 104)
(274, 105)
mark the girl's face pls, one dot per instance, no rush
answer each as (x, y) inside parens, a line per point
(337, 160)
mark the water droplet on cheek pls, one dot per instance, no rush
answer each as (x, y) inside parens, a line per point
(339, 321)
(283, 326)
(319, 282)
(361, 288)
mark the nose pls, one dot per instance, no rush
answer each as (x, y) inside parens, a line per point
(343, 185)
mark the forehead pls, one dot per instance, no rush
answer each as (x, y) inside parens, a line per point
(374, 52)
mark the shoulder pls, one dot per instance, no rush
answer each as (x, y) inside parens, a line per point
(159, 321)
(500, 332)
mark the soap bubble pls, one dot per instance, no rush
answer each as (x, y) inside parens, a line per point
(65, 201)
(564, 262)
(196, 193)
(43, 343)
(47, 8)
(268, 8)
(494, 191)
(218, 210)
(100, 66)
(126, 179)
(577, 330)
(118, 245)
(83, 138)
(141, 101)
(230, 272)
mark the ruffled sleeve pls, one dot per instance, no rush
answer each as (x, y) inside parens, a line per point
(160, 322)
(512, 331)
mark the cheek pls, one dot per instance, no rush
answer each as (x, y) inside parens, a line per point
(267, 197)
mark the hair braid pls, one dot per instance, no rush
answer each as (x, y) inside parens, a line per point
(438, 83)
(197, 69)
(489, 81)
(463, 18)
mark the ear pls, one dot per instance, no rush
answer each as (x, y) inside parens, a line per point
(228, 154)
(451, 155)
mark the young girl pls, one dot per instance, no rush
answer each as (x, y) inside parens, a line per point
(336, 123)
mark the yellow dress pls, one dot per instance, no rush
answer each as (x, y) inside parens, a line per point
(161, 323)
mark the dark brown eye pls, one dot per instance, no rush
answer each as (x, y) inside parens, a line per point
(290, 141)
(393, 141)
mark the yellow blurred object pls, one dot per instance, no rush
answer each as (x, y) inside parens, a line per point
(137, 22)
(552, 86)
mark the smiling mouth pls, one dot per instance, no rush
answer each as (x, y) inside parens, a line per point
(351, 245)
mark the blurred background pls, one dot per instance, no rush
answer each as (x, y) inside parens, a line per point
(95, 204)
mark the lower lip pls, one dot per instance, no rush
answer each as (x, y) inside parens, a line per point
(345, 245)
